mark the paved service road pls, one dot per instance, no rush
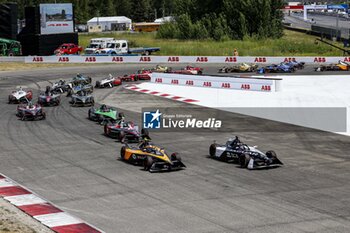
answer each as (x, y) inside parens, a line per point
(67, 160)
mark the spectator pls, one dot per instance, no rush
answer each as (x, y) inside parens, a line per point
(235, 53)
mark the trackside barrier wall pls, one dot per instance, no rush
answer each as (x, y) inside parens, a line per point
(179, 59)
(12, 59)
(230, 83)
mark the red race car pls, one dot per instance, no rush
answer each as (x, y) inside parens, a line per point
(110, 81)
(188, 70)
(30, 112)
(143, 74)
(139, 75)
(128, 78)
(68, 48)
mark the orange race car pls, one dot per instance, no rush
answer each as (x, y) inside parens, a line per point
(341, 66)
(152, 157)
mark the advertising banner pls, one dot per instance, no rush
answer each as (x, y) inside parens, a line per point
(233, 83)
(181, 59)
(56, 18)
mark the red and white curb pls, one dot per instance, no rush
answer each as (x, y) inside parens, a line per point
(160, 94)
(41, 210)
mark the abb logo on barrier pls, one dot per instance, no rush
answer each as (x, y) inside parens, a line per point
(38, 59)
(202, 59)
(189, 82)
(159, 80)
(289, 59)
(90, 59)
(63, 59)
(347, 59)
(173, 59)
(231, 59)
(225, 85)
(175, 81)
(245, 86)
(145, 59)
(266, 88)
(206, 84)
(117, 59)
(260, 59)
(320, 59)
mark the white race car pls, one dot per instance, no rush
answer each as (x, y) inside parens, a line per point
(108, 82)
(246, 156)
(20, 96)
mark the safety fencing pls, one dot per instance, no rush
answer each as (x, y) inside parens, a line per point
(179, 59)
(221, 82)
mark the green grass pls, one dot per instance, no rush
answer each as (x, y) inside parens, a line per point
(291, 44)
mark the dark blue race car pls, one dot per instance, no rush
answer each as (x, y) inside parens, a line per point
(281, 68)
(295, 64)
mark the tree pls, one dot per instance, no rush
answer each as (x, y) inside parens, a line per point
(141, 10)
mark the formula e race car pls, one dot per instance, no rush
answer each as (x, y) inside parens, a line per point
(244, 67)
(246, 156)
(281, 68)
(296, 65)
(142, 75)
(110, 81)
(129, 78)
(82, 99)
(153, 158)
(104, 114)
(87, 88)
(30, 111)
(81, 79)
(341, 66)
(188, 70)
(20, 96)
(161, 69)
(47, 98)
(125, 131)
(59, 87)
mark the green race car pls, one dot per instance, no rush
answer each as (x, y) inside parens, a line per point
(104, 114)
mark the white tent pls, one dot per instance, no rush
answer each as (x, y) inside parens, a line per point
(164, 19)
(113, 23)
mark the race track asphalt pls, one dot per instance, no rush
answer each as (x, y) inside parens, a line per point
(69, 161)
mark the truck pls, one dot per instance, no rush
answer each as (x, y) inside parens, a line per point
(68, 48)
(96, 44)
(10, 47)
(121, 47)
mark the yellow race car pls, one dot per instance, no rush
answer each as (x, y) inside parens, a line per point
(340, 66)
(162, 69)
(152, 157)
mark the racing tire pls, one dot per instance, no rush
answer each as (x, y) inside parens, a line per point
(98, 84)
(121, 115)
(44, 116)
(200, 72)
(145, 132)
(121, 136)
(90, 114)
(105, 129)
(89, 79)
(10, 100)
(212, 150)
(148, 163)
(122, 153)
(69, 93)
(271, 154)
(175, 156)
(244, 160)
